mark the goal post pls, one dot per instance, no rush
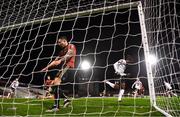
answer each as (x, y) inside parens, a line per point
(148, 65)
(147, 54)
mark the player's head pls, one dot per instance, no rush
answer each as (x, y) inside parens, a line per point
(137, 79)
(122, 61)
(62, 41)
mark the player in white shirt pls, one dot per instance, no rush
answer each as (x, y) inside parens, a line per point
(120, 67)
(120, 86)
(13, 87)
(138, 85)
(169, 89)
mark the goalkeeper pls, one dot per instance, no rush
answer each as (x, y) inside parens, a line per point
(64, 61)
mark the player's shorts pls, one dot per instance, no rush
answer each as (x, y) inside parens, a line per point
(12, 90)
(138, 87)
(60, 91)
(122, 80)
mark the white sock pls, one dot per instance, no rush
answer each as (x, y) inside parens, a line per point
(174, 94)
(110, 84)
(121, 93)
(135, 94)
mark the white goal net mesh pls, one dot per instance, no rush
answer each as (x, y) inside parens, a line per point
(162, 21)
(103, 32)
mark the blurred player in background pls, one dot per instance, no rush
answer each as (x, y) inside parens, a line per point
(120, 86)
(120, 67)
(138, 87)
(13, 88)
(64, 61)
(169, 90)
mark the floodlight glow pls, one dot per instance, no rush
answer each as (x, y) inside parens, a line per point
(152, 60)
(85, 65)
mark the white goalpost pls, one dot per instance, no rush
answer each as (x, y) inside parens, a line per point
(103, 32)
(162, 24)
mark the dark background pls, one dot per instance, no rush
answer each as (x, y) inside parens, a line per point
(102, 39)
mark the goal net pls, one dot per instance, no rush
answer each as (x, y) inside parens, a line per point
(103, 32)
(162, 22)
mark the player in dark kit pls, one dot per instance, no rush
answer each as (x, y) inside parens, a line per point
(64, 61)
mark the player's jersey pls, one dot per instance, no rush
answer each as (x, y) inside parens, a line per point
(120, 66)
(138, 84)
(167, 85)
(71, 61)
(14, 84)
(48, 82)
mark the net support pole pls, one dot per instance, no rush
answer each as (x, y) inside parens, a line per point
(148, 66)
(146, 54)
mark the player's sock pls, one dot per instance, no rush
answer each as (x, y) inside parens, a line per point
(135, 94)
(54, 109)
(174, 94)
(123, 74)
(121, 93)
(110, 84)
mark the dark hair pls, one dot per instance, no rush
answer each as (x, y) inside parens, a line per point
(63, 37)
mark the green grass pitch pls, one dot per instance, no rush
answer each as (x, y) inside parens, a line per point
(101, 106)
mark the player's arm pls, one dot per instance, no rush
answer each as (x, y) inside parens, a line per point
(115, 65)
(69, 54)
(133, 85)
(109, 83)
(52, 64)
(58, 59)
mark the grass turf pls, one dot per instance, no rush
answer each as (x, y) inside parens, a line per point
(79, 107)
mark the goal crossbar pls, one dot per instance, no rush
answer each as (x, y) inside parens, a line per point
(71, 15)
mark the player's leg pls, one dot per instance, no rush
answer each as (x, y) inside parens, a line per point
(56, 89)
(121, 91)
(141, 93)
(172, 93)
(66, 101)
(12, 93)
(62, 91)
(109, 83)
(135, 93)
(55, 107)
